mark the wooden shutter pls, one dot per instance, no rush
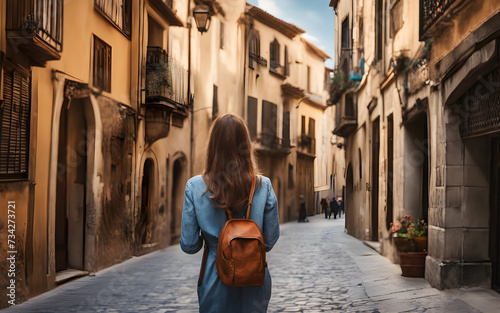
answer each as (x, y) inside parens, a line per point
(14, 126)
(269, 119)
(127, 17)
(312, 128)
(286, 129)
(287, 65)
(215, 103)
(252, 117)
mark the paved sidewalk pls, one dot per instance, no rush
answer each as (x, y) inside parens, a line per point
(315, 267)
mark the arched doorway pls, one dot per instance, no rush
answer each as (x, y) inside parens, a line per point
(178, 184)
(71, 187)
(146, 223)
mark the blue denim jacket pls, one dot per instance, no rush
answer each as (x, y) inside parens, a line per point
(200, 213)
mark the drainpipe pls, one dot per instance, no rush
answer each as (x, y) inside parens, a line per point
(245, 53)
(190, 103)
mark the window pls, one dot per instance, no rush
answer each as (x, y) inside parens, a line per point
(291, 184)
(221, 36)
(252, 117)
(269, 121)
(118, 12)
(345, 34)
(155, 33)
(312, 128)
(360, 164)
(286, 129)
(287, 62)
(253, 50)
(308, 78)
(275, 54)
(379, 13)
(303, 125)
(361, 43)
(15, 125)
(390, 171)
(215, 103)
(396, 17)
(102, 65)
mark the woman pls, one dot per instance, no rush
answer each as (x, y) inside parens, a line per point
(226, 182)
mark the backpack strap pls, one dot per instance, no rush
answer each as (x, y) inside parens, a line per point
(250, 197)
(203, 262)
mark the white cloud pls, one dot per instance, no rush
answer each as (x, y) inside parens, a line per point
(270, 7)
(312, 16)
(310, 38)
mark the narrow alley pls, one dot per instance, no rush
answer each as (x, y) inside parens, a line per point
(315, 267)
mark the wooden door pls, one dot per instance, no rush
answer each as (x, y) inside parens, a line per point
(375, 173)
(495, 213)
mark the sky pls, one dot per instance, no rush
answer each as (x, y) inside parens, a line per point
(316, 17)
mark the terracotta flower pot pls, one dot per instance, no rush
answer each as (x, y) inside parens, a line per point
(420, 243)
(412, 264)
(402, 244)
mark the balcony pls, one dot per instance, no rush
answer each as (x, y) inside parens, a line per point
(166, 100)
(258, 59)
(166, 80)
(277, 70)
(437, 14)
(345, 116)
(345, 77)
(306, 144)
(272, 145)
(34, 27)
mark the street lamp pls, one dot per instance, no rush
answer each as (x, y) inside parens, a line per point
(201, 14)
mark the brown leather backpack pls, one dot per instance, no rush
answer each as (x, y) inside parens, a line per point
(241, 251)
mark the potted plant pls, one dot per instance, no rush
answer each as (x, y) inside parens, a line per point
(411, 254)
(419, 235)
(401, 234)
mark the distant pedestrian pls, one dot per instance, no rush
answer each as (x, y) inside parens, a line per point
(324, 206)
(205, 199)
(334, 208)
(341, 205)
(302, 210)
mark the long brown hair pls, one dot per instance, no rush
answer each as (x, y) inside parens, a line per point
(230, 164)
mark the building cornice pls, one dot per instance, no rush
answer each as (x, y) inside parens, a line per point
(288, 89)
(311, 47)
(169, 15)
(265, 18)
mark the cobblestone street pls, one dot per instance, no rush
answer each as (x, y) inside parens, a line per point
(315, 267)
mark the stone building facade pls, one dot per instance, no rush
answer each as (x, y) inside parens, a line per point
(419, 115)
(262, 69)
(105, 108)
(87, 152)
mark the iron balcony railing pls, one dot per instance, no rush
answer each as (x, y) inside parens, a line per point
(345, 116)
(40, 17)
(273, 142)
(307, 144)
(430, 13)
(166, 79)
